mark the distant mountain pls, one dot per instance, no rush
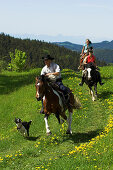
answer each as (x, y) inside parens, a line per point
(104, 45)
(77, 47)
(51, 38)
(103, 50)
(69, 45)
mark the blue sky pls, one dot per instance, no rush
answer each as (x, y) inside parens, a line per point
(77, 19)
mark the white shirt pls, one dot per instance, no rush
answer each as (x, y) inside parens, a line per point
(51, 69)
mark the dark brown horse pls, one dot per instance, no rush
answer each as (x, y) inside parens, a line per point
(52, 102)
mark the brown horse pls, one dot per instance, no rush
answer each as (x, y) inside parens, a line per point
(52, 102)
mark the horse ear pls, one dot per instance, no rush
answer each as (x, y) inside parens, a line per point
(36, 78)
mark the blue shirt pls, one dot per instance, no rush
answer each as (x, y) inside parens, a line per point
(86, 47)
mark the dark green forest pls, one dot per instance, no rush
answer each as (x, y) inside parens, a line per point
(104, 54)
(35, 49)
(102, 50)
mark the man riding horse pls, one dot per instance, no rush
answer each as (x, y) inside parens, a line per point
(52, 71)
(90, 59)
(49, 88)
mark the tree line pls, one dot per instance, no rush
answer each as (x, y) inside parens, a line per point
(34, 50)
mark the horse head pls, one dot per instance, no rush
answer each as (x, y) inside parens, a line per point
(40, 87)
(89, 73)
(90, 70)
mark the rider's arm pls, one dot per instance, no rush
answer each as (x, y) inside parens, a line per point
(85, 60)
(56, 70)
(43, 71)
(82, 50)
(55, 74)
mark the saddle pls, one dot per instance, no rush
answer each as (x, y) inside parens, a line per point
(64, 97)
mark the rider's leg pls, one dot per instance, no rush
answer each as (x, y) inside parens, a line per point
(65, 91)
(82, 82)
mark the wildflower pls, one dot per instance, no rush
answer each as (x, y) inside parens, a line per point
(1, 159)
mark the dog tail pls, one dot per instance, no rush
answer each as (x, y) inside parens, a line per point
(29, 122)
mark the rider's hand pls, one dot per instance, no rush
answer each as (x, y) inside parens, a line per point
(48, 74)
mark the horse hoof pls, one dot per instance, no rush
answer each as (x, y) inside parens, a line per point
(69, 132)
(49, 133)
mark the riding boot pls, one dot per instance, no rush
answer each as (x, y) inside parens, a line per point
(82, 82)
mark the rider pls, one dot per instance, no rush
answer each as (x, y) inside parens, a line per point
(52, 71)
(86, 46)
(90, 59)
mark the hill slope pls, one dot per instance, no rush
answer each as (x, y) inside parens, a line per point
(35, 50)
(77, 47)
(102, 50)
(89, 147)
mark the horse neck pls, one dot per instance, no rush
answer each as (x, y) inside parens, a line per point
(48, 88)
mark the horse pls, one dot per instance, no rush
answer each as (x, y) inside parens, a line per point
(53, 103)
(91, 78)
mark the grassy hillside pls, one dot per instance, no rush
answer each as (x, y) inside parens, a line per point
(89, 147)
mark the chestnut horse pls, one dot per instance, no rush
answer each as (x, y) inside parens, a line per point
(52, 102)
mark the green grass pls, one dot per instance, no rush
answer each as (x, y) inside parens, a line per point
(89, 147)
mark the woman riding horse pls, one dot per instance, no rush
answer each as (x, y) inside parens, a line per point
(90, 59)
(85, 52)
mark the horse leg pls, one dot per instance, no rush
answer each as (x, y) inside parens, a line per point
(92, 93)
(46, 124)
(57, 116)
(69, 121)
(95, 88)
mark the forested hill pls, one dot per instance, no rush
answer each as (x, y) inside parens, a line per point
(35, 50)
(103, 50)
(77, 47)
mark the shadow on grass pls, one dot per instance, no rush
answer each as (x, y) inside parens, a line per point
(14, 81)
(10, 83)
(105, 95)
(107, 78)
(82, 137)
(31, 138)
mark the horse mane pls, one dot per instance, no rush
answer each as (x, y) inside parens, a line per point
(91, 65)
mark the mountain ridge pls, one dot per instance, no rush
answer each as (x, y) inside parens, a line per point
(77, 47)
(102, 50)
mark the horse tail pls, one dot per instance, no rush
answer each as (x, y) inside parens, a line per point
(77, 103)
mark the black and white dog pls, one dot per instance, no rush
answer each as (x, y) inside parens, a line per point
(23, 127)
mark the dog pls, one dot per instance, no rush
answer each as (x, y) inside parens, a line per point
(23, 127)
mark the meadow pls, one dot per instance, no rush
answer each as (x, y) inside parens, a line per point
(89, 147)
